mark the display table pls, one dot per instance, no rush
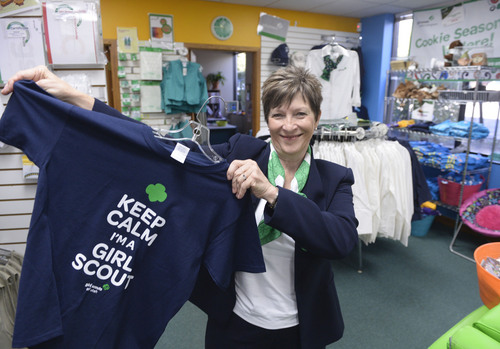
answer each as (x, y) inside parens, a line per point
(221, 134)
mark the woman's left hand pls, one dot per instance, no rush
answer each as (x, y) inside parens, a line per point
(52, 84)
(246, 174)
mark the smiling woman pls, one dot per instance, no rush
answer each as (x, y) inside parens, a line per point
(303, 208)
(291, 128)
(292, 111)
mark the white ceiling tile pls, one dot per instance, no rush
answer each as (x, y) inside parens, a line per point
(357, 8)
(299, 5)
(348, 8)
(382, 9)
(260, 3)
(422, 4)
(382, 2)
(344, 6)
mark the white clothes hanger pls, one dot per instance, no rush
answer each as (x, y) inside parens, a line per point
(201, 134)
(201, 137)
(332, 46)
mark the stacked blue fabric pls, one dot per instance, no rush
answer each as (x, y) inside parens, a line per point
(460, 129)
(469, 179)
(433, 185)
(435, 155)
(456, 162)
(428, 153)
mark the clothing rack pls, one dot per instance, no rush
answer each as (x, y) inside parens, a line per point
(343, 132)
(339, 133)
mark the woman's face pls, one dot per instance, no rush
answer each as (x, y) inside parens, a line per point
(291, 129)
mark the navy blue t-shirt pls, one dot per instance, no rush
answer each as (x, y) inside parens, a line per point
(119, 229)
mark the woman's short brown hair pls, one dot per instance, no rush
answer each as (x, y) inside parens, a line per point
(282, 86)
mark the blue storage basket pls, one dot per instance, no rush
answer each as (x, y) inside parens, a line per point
(422, 226)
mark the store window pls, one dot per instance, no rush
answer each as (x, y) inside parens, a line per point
(241, 63)
(402, 36)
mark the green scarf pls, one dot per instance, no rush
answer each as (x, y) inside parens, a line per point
(276, 175)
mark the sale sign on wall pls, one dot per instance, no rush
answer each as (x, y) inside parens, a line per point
(476, 24)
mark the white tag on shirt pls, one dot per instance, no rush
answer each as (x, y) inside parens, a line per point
(180, 152)
(184, 69)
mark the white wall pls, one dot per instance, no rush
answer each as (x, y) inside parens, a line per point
(17, 194)
(215, 61)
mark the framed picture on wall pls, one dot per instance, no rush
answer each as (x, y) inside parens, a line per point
(232, 106)
(161, 29)
(9, 8)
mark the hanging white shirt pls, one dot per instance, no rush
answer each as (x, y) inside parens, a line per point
(406, 188)
(372, 181)
(388, 198)
(342, 91)
(362, 207)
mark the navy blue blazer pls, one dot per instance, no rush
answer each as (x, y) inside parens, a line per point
(323, 226)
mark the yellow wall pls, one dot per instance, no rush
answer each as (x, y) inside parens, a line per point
(192, 20)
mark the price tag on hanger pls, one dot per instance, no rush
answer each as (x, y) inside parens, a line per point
(180, 152)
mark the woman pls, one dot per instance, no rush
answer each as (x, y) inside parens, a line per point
(305, 214)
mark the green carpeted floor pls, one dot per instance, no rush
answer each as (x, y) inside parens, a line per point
(405, 297)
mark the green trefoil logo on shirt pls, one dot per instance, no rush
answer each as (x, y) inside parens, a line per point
(156, 192)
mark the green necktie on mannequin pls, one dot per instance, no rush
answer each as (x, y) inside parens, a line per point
(329, 66)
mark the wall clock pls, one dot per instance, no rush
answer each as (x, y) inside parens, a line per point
(222, 28)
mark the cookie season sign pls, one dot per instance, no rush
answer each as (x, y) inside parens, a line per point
(476, 24)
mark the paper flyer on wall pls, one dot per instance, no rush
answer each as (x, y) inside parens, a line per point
(150, 97)
(128, 41)
(273, 27)
(151, 65)
(11, 7)
(73, 32)
(21, 45)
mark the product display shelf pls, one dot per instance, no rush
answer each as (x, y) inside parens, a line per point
(478, 146)
(454, 73)
(454, 94)
(446, 206)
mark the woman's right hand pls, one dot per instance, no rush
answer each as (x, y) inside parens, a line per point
(246, 175)
(52, 84)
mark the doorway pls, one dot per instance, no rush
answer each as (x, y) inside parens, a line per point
(112, 81)
(251, 78)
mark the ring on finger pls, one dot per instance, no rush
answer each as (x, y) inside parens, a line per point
(244, 177)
